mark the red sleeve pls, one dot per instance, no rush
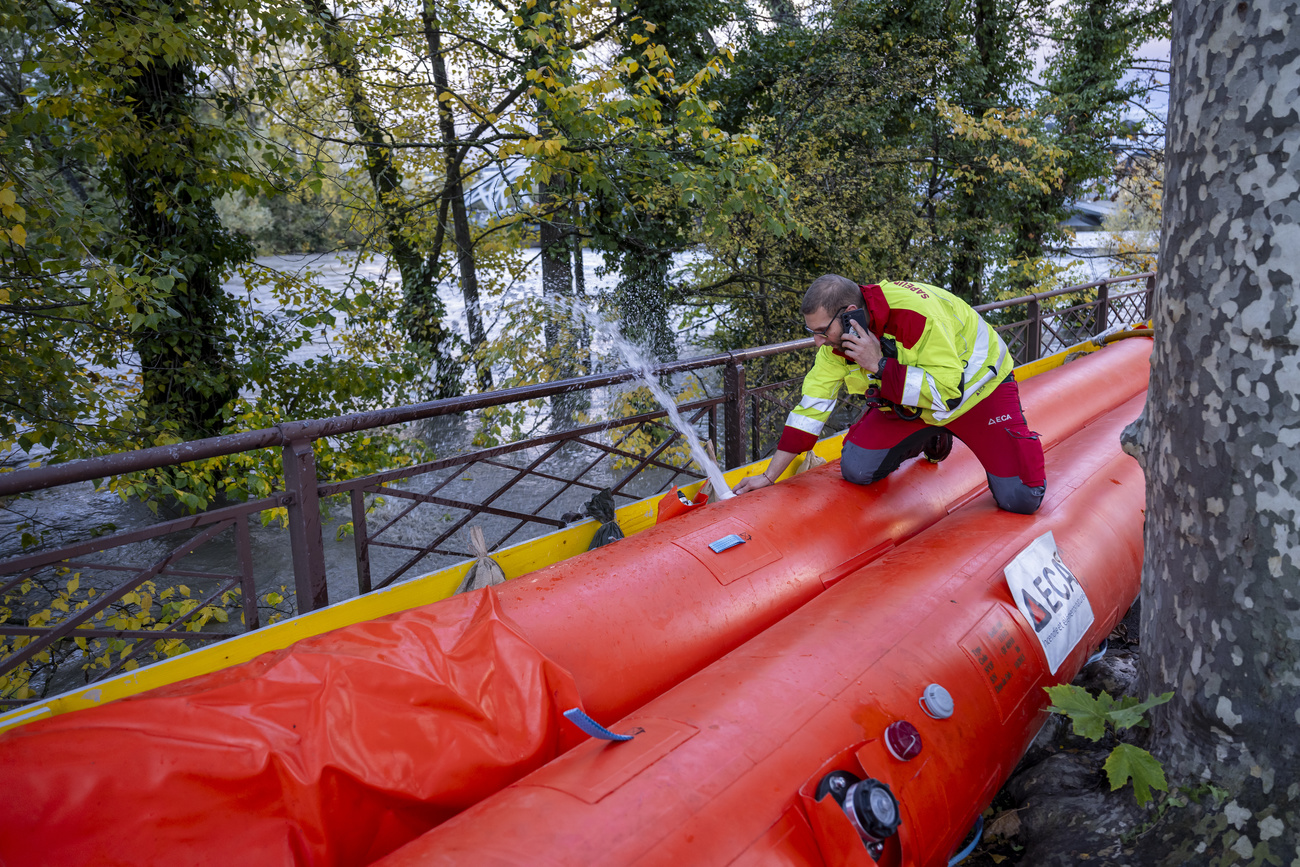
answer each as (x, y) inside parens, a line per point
(893, 380)
(795, 440)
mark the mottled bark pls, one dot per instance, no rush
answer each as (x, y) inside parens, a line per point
(1221, 588)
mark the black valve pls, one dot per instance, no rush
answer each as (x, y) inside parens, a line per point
(874, 807)
(870, 806)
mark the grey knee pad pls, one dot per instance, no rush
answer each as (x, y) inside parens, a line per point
(1013, 495)
(859, 465)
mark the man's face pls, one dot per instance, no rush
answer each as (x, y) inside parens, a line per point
(826, 327)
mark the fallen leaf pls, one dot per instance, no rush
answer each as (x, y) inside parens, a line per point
(1005, 824)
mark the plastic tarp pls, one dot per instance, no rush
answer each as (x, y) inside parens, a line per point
(336, 750)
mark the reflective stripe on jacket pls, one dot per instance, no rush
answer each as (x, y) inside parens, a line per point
(949, 359)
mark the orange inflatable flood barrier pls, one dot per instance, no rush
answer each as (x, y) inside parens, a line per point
(346, 745)
(630, 620)
(740, 763)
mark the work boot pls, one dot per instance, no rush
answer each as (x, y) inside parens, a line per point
(939, 446)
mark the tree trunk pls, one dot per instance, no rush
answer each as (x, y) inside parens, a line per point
(455, 190)
(580, 287)
(1221, 587)
(557, 270)
(642, 301)
(563, 327)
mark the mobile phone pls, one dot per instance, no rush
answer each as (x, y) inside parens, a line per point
(851, 317)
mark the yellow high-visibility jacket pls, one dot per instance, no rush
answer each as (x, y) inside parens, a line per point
(949, 359)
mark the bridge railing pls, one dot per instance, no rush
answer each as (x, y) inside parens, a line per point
(407, 521)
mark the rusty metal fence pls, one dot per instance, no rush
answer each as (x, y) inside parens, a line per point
(521, 489)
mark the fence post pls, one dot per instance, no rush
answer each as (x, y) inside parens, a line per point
(361, 541)
(248, 587)
(733, 385)
(1151, 294)
(1035, 347)
(1103, 308)
(305, 538)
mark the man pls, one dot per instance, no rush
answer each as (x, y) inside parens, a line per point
(935, 369)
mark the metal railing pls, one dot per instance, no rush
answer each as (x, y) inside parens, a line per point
(530, 483)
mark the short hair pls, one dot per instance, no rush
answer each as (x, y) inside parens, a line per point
(829, 292)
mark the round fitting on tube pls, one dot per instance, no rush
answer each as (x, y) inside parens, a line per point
(903, 740)
(937, 702)
(872, 810)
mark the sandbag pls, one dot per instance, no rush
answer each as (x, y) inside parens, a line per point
(601, 507)
(485, 572)
(811, 461)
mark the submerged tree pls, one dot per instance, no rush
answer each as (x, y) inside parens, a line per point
(113, 162)
(165, 166)
(422, 313)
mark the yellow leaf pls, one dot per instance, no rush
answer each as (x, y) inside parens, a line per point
(7, 196)
(19, 234)
(74, 584)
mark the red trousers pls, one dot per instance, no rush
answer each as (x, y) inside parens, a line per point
(994, 429)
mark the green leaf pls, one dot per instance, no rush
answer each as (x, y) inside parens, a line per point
(1129, 712)
(1129, 762)
(1088, 714)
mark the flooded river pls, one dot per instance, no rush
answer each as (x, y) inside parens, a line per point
(79, 511)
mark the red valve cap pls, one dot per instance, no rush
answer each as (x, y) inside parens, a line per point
(903, 740)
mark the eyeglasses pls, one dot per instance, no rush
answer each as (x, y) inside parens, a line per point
(821, 332)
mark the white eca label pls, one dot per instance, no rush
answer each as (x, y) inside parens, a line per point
(1050, 597)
